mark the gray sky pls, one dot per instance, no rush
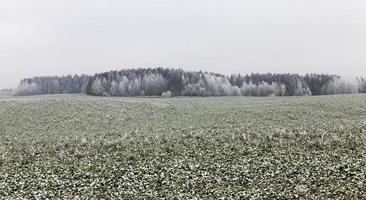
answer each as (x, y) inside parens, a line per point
(56, 37)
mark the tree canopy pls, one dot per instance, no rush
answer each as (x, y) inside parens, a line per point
(177, 82)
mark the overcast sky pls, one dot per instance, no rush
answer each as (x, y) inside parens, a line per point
(57, 37)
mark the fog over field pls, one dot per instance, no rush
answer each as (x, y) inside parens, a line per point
(43, 37)
(182, 99)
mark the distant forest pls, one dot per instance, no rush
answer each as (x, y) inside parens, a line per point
(177, 82)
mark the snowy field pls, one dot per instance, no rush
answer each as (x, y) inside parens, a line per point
(80, 147)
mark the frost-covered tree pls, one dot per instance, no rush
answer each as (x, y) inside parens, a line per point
(114, 88)
(279, 89)
(134, 87)
(195, 89)
(123, 87)
(155, 81)
(219, 86)
(345, 85)
(264, 89)
(154, 84)
(301, 89)
(341, 85)
(54, 85)
(362, 85)
(249, 89)
(6, 91)
(97, 87)
(236, 91)
(317, 82)
(27, 88)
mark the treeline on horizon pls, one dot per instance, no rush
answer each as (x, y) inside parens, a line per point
(177, 82)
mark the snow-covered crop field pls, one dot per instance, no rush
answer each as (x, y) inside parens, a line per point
(80, 147)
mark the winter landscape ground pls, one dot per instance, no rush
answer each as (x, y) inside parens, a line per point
(83, 147)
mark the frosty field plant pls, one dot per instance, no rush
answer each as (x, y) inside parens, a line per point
(77, 146)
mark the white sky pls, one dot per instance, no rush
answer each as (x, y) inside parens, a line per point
(57, 37)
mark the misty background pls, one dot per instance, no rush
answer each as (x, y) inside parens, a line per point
(58, 37)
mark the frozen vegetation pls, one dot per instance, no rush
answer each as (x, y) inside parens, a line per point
(175, 82)
(85, 147)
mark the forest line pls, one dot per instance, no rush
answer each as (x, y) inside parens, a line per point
(177, 82)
